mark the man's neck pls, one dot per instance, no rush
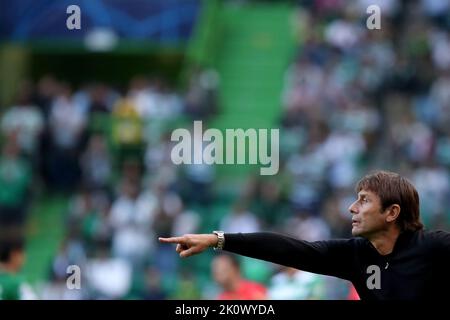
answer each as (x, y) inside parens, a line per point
(384, 241)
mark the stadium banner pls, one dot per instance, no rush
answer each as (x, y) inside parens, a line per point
(157, 21)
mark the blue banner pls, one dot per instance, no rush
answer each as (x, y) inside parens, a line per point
(157, 21)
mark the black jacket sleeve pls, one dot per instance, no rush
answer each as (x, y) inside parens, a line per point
(332, 257)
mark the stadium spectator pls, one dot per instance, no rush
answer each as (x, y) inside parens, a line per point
(12, 257)
(226, 272)
(15, 187)
(293, 284)
(25, 121)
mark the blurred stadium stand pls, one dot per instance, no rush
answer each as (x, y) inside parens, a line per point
(86, 130)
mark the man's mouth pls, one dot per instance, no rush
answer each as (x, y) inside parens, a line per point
(355, 223)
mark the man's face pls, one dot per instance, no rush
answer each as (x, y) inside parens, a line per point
(17, 259)
(367, 214)
(223, 270)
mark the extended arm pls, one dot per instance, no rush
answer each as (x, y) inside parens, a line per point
(332, 257)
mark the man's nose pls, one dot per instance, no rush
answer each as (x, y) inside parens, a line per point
(352, 208)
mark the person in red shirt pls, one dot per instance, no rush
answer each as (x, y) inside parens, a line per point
(226, 272)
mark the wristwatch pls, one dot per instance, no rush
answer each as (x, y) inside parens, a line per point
(221, 240)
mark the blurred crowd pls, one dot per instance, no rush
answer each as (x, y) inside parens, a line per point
(354, 99)
(108, 150)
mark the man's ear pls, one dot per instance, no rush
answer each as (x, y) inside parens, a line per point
(393, 211)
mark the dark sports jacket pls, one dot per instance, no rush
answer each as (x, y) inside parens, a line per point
(417, 268)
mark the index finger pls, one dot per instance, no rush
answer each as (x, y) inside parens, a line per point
(172, 240)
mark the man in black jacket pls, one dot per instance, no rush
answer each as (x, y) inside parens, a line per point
(389, 257)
